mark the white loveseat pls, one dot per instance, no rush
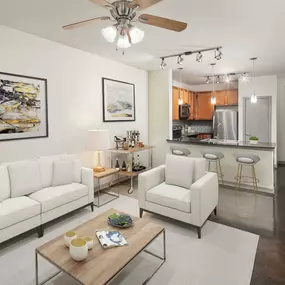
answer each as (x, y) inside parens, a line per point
(34, 192)
(192, 205)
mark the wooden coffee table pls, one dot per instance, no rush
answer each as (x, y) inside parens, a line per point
(101, 265)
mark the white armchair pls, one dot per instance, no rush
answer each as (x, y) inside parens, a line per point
(191, 205)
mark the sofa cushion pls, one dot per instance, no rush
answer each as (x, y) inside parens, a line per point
(46, 170)
(199, 168)
(77, 170)
(15, 210)
(53, 197)
(4, 183)
(62, 172)
(179, 171)
(25, 178)
(170, 196)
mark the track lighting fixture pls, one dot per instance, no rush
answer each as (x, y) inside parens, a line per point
(253, 98)
(163, 64)
(213, 98)
(199, 57)
(218, 54)
(243, 77)
(179, 60)
(208, 80)
(227, 78)
(218, 79)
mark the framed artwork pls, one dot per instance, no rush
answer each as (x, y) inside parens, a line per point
(118, 101)
(23, 107)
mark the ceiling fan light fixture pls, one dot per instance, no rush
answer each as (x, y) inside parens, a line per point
(136, 35)
(199, 57)
(109, 33)
(123, 42)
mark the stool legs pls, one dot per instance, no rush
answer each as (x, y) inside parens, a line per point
(221, 172)
(254, 179)
(218, 169)
(253, 175)
(239, 177)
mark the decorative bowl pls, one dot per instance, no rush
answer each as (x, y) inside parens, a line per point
(78, 249)
(120, 220)
(68, 237)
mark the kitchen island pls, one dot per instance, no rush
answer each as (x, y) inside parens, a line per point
(264, 168)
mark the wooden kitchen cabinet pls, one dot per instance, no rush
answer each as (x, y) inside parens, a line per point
(192, 100)
(175, 97)
(204, 107)
(231, 97)
(220, 98)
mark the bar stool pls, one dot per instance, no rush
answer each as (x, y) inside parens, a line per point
(214, 156)
(249, 160)
(182, 151)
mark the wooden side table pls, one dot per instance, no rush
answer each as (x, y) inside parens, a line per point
(99, 176)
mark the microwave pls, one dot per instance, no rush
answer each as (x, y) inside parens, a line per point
(184, 111)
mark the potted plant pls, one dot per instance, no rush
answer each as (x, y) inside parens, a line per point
(253, 140)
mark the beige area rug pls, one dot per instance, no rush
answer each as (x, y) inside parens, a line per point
(224, 255)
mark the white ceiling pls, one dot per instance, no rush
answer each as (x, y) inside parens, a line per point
(245, 28)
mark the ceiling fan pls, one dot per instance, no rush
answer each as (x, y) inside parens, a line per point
(124, 14)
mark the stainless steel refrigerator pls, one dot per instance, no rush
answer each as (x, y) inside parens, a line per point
(225, 123)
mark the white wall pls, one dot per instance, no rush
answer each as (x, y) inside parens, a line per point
(264, 86)
(160, 113)
(205, 87)
(74, 93)
(281, 118)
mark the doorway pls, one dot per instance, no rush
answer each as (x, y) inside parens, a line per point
(257, 119)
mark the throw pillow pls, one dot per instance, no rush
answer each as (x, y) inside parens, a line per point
(179, 171)
(46, 170)
(62, 172)
(25, 178)
(77, 170)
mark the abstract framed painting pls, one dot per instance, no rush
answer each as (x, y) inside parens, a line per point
(23, 107)
(118, 101)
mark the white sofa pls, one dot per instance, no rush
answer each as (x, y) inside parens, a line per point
(34, 192)
(192, 205)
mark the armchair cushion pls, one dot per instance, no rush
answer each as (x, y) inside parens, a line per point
(170, 196)
(179, 171)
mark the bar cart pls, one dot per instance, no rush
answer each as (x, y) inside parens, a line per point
(132, 151)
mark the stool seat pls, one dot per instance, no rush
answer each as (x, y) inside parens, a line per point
(247, 158)
(182, 151)
(213, 155)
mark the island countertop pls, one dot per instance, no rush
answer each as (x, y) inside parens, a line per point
(232, 144)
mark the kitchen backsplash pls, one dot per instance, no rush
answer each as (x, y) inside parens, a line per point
(196, 126)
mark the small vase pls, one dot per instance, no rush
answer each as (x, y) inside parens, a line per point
(78, 249)
(68, 237)
(90, 242)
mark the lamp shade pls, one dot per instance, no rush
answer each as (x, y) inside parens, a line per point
(98, 140)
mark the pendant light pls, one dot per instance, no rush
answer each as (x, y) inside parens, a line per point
(213, 98)
(180, 100)
(253, 98)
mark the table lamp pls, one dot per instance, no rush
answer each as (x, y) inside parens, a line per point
(98, 140)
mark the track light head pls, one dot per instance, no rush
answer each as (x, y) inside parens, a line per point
(208, 80)
(163, 64)
(179, 60)
(218, 54)
(218, 79)
(227, 78)
(244, 77)
(199, 57)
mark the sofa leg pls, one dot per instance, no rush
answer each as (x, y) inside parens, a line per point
(141, 212)
(199, 232)
(92, 207)
(215, 211)
(40, 230)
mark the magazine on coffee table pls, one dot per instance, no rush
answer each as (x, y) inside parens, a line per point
(110, 238)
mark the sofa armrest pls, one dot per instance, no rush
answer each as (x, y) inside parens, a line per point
(204, 197)
(87, 179)
(148, 180)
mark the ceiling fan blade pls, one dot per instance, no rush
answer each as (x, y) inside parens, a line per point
(102, 3)
(162, 23)
(84, 23)
(143, 4)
